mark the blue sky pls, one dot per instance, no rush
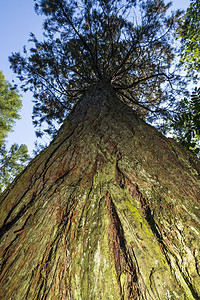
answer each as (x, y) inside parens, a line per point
(17, 20)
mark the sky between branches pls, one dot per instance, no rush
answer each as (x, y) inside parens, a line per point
(17, 20)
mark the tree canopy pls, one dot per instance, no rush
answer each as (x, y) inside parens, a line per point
(128, 43)
(189, 32)
(12, 161)
(10, 103)
(185, 126)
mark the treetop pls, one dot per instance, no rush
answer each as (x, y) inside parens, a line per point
(128, 43)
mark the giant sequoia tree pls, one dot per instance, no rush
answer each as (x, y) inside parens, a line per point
(110, 210)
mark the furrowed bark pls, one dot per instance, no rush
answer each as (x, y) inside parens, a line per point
(110, 210)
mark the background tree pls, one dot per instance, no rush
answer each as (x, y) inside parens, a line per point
(10, 104)
(189, 32)
(12, 161)
(185, 125)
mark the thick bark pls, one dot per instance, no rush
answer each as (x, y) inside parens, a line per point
(110, 210)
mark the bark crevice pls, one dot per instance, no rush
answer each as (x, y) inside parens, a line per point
(123, 259)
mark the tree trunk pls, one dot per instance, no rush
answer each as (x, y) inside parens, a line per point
(110, 210)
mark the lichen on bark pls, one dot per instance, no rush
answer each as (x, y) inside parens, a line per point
(110, 210)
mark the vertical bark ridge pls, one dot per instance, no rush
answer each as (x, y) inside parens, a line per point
(157, 230)
(122, 257)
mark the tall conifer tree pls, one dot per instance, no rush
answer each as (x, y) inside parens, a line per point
(110, 210)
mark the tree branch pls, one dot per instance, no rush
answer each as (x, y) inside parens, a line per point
(124, 87)
(83, 41)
